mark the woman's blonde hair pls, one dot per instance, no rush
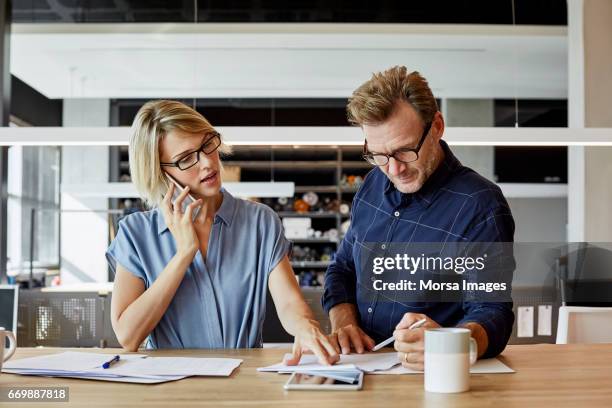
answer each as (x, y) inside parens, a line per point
(374, 101)
(152, 123)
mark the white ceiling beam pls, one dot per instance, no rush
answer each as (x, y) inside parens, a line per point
(314, 136)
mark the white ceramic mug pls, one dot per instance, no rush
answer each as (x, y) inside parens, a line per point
(449, 353)
(5, 355)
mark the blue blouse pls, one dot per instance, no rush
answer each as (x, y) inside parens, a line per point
(221, 302)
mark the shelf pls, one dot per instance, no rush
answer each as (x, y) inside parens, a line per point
(316, 189)
(266, 164)
(322, 214)
(310, 264)
(356, 164)
(298, 164)
(349, 189)
(312, 240)
(128, 190)
(533, 190)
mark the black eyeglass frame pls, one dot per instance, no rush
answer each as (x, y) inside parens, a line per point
(368, 155)
(213, 135)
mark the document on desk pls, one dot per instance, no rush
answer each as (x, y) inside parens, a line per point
(376, 363)
(137, 368)
(367, 362)
(217, 367)
(486, 366)
(72, 361)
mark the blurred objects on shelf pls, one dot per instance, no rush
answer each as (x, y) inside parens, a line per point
(327, 255)
(300, 206)
(311, 198)
(311, 278)
(345, 209)
(284, 204)
(330, 204)
(351, 181)
(297, 227)
(311, 254)
(331, 234)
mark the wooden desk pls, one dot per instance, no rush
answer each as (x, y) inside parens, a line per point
(547, 375)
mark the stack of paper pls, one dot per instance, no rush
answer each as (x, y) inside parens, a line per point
(375, 363)
(135, 368)
(368, 363)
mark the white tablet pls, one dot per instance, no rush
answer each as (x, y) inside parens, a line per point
(332, 381)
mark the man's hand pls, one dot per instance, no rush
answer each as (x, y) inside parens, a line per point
(346, 332)
(351, 337)
(410, 344)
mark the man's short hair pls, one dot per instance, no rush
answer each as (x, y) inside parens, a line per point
(374, 101)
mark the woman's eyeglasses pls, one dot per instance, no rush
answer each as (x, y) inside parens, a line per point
(190, 159)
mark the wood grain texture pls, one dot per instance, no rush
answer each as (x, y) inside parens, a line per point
(548, 375)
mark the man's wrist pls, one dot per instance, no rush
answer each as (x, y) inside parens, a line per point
(343, 314)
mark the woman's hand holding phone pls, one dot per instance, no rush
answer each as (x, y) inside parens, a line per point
(180, 223)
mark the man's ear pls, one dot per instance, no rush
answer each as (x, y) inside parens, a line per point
(437, 126)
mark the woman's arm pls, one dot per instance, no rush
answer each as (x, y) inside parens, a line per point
(296, 317)
(135, 311)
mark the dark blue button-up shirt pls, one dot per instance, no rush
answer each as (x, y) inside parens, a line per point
(455, 204)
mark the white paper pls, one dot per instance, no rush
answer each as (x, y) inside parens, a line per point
(544, 320)
(525, 321)
(179, 366)
(91, 376)
(486, 366)
(136, 368)
(367, 362)
(67, 361)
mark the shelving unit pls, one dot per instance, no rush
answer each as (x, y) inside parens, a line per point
(320, 170)
(314, 169)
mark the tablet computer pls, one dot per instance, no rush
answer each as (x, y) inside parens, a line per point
(332, 381)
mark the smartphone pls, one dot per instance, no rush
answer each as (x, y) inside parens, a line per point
(329, 381)
(177, 191)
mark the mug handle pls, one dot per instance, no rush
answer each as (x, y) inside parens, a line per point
(473, 351)
(12, 345)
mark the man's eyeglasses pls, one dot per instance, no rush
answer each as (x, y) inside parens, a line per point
(404, 155)
(190, 159)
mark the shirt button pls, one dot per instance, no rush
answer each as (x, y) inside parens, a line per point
(369, 310)
(383, 246)
(396, 213)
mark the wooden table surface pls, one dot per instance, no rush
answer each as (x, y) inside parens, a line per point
(547, 375)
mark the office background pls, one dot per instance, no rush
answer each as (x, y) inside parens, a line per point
(523, 85)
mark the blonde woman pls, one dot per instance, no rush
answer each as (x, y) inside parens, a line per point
(197, 278)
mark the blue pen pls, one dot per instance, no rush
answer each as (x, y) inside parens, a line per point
(110, 362)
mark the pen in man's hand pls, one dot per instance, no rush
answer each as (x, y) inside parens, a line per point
(390, 340)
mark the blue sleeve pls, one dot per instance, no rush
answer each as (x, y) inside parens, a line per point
(340, 277)
(497, 318)
(276, 244)
(123, 251)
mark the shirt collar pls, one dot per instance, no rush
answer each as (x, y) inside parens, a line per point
(225, 213)
(438, 178)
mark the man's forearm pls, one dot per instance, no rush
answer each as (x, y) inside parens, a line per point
(343, 314)
(480, 335)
